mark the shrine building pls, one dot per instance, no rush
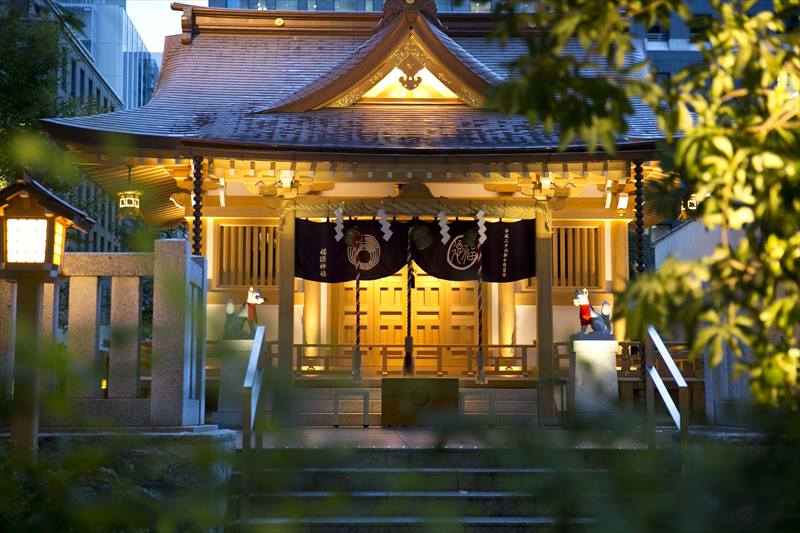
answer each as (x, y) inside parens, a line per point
(312, 151)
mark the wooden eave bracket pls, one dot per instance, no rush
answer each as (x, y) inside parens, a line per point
(187, 21)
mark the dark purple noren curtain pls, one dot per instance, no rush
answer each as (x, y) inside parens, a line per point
(508, 253)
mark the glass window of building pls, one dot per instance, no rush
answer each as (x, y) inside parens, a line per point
(344, 5)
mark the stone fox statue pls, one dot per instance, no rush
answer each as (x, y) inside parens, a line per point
(599, 322)
(246, 314)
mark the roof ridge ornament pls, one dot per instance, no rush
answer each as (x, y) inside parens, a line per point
(393, 8)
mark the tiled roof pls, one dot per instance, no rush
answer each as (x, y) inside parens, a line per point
(212, 89)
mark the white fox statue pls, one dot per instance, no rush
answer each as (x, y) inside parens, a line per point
(599, 322)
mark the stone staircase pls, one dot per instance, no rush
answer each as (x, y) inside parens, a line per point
(313, 406)
(433, 489)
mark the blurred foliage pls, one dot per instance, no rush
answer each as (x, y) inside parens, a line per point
(733, 138)
(30, 56)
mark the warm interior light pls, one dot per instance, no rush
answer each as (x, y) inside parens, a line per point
(286, 178)
(390, 88)
(26, 240)
(58, 242)
(622, 201)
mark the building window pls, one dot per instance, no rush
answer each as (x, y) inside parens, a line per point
(64, 71)
(344, 5)
(286, 5)
(480, 6)
(83, 86)
(699, 25)
(657, 33)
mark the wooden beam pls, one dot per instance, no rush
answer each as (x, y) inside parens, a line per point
(544, 314)
(283, 398)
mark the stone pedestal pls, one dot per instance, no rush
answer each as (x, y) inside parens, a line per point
(593, 386)
(232, 357)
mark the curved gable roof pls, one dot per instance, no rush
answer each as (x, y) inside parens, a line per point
(456, 67)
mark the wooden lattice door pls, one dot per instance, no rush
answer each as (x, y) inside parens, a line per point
(444, 313)
(462, 321)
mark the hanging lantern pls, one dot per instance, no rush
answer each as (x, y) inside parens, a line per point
(421, 237)
(130, 201)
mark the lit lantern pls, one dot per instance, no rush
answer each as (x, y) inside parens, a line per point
(130, 201)
(33, 224)
(33, 229)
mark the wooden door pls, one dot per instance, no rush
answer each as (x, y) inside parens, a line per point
(444, 313)
(462, 321)
(344, 313)
(428, 308)
(389, 315)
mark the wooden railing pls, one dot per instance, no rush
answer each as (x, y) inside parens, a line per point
(254, 407)
(500, 359)
(629, 360)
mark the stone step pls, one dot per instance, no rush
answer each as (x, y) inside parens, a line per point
(452, 457)
(356, 419)
(392, 524)
(426, 503)
(399, 479)
(471, 406)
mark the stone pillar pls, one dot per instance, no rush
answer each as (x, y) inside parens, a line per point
(283, 406)
(49, 312)
(8, 327)
(544, 312)
(507, 317)
(172, 401)
(312, 298)
(123, 356)
(82, 337)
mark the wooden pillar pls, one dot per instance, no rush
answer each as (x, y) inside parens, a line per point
(312, 314)
(197, 183)
(82, 338)
(283, 397)
(544, 312)
(507, 317)
(638, 179)
(619, 268)
(123, 357)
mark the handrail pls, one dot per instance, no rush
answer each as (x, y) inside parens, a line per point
(253, 378)
(679, 414)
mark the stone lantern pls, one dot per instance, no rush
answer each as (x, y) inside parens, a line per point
(33, 231)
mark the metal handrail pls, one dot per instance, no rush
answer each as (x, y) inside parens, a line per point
(680, 413)
(253, 378)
